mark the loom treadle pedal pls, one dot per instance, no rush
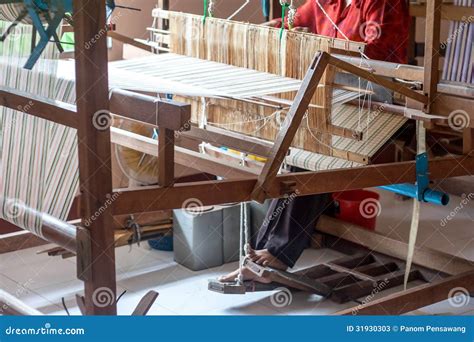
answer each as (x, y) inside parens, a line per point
(234, 288)
(226, 288)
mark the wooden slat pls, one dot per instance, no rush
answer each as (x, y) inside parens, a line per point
(396, 87)
(445, 105)
(230, 139)
(448, 11)
(145, 304)
(423, 256)
(18, 241)
(94, 151)
(182, 156)
(432, 41)
(164, 113)
(366, 287)
(128, 40)
(56, 111)
(165, 156)
(387, 69)
(414, 298)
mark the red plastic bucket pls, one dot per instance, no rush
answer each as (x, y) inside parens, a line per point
(360, 207)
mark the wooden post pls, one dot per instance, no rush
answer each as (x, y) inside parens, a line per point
(432, 43)
(165, 156)
(95, 153)
(468, 141)
(412, 42)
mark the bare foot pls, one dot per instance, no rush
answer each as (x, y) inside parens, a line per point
(265, 258)
(247, 274)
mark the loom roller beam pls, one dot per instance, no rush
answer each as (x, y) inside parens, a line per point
(41, 12)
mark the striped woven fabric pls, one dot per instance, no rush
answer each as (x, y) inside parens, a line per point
(459, 61)
(39, 158)
(317, 162)
(9, 12)
(378, 127)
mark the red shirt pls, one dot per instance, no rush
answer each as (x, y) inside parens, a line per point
(382, 24)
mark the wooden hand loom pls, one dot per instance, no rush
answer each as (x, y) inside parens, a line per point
(94, 245)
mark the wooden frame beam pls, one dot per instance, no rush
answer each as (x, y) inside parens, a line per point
(17, 241)
(229, 139)
(56, 111)
(425, 257)
(130, 41)
(94, 152)
(169, 114)
(369, 76)
(448, 11)
(305, 183)
(432, 41)
(414, 298)
(294, 117)
(182, 156)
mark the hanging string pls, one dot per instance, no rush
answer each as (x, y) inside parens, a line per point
(330, 20)
(265, 119)
(238, 10)
(291, 16)
(285, 4)
(315, 137)
(244, 240)
(208, 9)
(204, 113)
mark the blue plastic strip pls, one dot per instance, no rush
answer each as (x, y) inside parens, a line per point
(420, 190)
(257, 328)
(422, 178)
(411, 190)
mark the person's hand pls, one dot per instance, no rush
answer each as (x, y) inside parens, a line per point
(272, 23)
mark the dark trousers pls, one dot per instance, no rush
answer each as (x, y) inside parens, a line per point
(289, 225)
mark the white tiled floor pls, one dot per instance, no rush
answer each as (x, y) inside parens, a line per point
(42, 281)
